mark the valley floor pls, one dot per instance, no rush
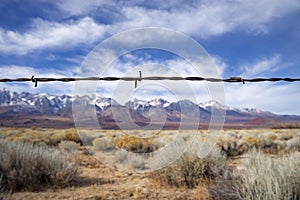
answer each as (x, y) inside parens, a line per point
(98, 181)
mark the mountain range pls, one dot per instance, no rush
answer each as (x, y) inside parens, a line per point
(43, 110)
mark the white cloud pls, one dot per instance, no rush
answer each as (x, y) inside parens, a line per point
(264, 66)
(75, 59)
(26, 72)
(220, 64)
(15, 71)
(51, 57)
(44, 34)
(279, 98)
(79, 7)
(199, 19)
(196, 18)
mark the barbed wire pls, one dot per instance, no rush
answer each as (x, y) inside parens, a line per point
(153, 78)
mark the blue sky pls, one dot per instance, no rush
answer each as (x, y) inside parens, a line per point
(248, 38)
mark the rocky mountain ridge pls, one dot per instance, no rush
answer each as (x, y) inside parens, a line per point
(17, 108)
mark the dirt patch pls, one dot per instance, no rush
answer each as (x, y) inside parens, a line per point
(97, 181)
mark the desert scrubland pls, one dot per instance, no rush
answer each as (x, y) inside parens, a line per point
(40, 163)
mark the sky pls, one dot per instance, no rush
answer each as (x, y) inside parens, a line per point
(249, 38)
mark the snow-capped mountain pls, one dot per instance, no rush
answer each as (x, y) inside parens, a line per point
(41, 102)
(14, 106)
(214, 104)
(143, 105)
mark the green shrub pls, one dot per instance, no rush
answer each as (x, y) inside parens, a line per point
(27, 166)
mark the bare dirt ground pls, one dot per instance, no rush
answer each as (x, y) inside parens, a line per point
(96, 181)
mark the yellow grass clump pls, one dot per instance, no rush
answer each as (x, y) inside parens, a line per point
(135, 144)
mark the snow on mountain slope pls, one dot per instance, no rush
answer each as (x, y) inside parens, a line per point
(214, 104)
(26, 109)
(46, 103)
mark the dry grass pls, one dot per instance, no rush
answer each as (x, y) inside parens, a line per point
(189, 171)
(40, 135)
(232, 142)
(136, 144)
(27, 166)
(104, 143)
(264, 177)
(269, 141)
(190, 177)
(69, 146)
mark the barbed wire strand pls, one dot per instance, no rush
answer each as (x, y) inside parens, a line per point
(153, 78)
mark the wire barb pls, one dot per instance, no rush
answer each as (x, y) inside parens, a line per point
(136, 80)
(237, 79)
(34, 80)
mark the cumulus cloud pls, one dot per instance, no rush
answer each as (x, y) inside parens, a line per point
(45, 34)
(277, 98)
(197, 18)
(203, 19)
(200, 19)
(264, 66)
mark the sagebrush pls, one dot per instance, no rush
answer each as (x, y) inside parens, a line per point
(28, 166)
(190, 170)
(264, 177)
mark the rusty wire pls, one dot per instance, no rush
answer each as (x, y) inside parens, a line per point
(154, 78)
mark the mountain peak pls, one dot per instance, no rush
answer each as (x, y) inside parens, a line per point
(159, 102)
(214, 104)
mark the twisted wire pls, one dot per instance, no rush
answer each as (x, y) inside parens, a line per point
(153, 78)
